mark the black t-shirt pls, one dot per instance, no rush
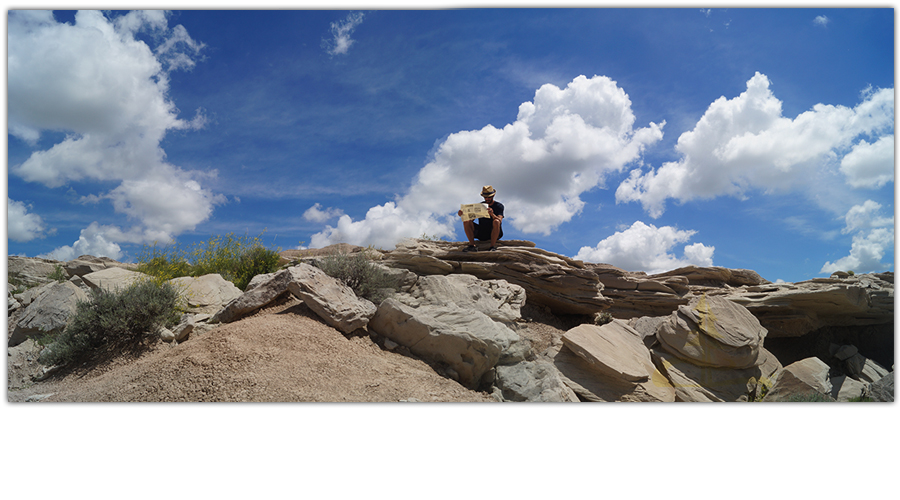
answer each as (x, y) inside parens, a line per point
(497, 207)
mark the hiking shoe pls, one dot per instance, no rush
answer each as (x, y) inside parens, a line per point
(492, 249)
(470, 248)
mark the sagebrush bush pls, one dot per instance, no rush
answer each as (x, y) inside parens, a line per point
(112, 322)
(356, 271)
(236, 259)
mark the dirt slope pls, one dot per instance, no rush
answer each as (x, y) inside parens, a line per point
(284, 353)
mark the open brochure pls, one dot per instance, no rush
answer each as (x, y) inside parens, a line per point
(474, 211)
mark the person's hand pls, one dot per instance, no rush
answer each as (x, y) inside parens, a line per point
(491, 212)
(459, 213)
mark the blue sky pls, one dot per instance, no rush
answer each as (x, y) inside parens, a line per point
(648, 138)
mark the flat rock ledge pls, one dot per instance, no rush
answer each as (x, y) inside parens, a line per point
(560, 283)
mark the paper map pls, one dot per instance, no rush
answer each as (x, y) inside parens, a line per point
(474, 211)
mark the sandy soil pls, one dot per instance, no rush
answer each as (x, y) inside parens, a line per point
(283, 353)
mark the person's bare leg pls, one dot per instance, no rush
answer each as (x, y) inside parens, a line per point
(469, 227)
(495, 232)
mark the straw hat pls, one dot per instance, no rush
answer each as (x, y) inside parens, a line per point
(488, 191)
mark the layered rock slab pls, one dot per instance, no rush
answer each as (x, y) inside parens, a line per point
(551, 280)
(469, 342)
(333, 301)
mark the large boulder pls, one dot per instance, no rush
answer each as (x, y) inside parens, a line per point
(206, 294)
(592, 385)
(713, 331)
(30, 271)
(555, 281)
(112, 279)
(499, 300)
(800, 379)
(468, 342)
(536, 381)
(864, 369)
(48, 313)
(614, 349)
(695, 383)
(333, 301)
(262, 290)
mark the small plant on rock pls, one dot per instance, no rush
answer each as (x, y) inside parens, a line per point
(110, 323)
(59, 274)
(367, 280)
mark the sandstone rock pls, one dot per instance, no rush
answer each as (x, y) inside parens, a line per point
(497, 299)
(636, 294)
(49, 312)
(532, 381)
(795, 309)
(467, 341)
(262, 290)
(590, 385)
(613, 349)
(206, 294)
(844, 388)
(717, 277)
(712, 331)
(864, 369)
(166, 335)
(801, 378)
(189, 323)
(551, 280)
(882, 390)
(646, 326)
(112, 278)
(709, 384)
(30, 271)
(87, 264)
(333, 301)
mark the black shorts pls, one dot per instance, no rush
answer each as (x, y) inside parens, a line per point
(483, 230)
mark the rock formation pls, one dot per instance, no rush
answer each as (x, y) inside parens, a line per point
(691, 334)
(560, 283)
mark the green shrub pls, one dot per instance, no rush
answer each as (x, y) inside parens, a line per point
(113, 322)
(356, 271)
(256, 260)
(59, 274)
(236, 259)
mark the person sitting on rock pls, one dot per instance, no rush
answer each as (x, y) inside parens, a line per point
(487, 228)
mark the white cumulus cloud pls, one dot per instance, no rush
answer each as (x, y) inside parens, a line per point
(745, 143)
(341, 32)
(21, 225)
(316, 214)
(93, 240)
(873, 238)
(108, 91)
(563, 143)
(645, 247)
(383, 227)
(870, 165)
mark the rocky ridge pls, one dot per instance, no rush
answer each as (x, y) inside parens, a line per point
(692, 334)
